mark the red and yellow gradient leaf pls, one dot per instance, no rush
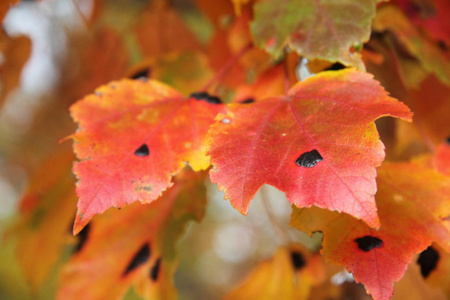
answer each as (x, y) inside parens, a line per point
(318, 144)
(315, 29)
(133, 137)
(112, 260)
(289, 275)
(413, 208)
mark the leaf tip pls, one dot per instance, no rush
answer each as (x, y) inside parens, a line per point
(79, 224)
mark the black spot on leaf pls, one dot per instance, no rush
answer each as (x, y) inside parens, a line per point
(142, 73)
(447, 140)
(427, 261)
(297, 260)
(368, 242)
(82, 238)
(247, 101)
(154, 272)
(139, 258)
(442, 45)
(309, 159)
(335, 67)
(206, 97)
(142, 151)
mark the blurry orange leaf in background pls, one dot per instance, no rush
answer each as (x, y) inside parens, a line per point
(289, 275)
(135, 246)
(16, 51)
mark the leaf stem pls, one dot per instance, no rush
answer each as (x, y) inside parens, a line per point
(287, 80)
(225, 68)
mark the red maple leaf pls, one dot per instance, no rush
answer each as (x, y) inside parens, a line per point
(413, 209)
(133, 137)
(318, 144)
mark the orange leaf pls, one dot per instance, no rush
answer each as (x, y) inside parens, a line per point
(290, 274)
(47, 212)
(133, 137)
(413, 287)
(134, 246)
(162, 30)
(16, 52)
(97, 67)
(412, 206)
(318, 144)
(434, 60)
(435, 268)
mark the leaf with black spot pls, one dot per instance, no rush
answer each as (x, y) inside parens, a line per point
(309, 159)
(318, 144)
(428, 261)
(82, 238)
(368, 243)
(297, 259)
(247, 101)
(142, 73)
(142, 150)
(154, 271)
(204, 96)
(140, 258)
(335, 67)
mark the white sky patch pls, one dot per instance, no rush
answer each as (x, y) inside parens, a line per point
(47, 24)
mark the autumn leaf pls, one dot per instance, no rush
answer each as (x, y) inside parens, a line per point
(133, 137)
(412, 205)
(431, 103)
(162, 30)
(318, 144)
(47, 212)
(135, 246)
(315, 29)
(97, 67)
(433, 59)
(412, 286)
(290, 274)
(269, 84)
(434, 265)
(185, 71)
(431, 126)
(430, 15)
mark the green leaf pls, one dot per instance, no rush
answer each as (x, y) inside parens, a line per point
(323, 29)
